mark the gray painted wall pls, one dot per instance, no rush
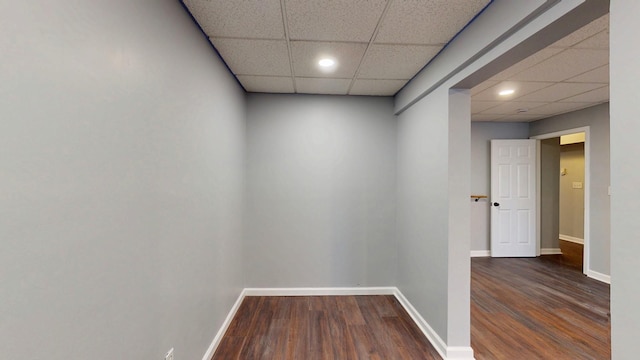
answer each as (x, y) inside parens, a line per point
(321, 182)
(597, 118)
(423, 208)
(481, 134)
(625, 177)
(121, 154)
(572, 199)
(549, 193)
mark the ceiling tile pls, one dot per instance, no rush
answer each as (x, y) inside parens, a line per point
(479, 106)
(481, 117)
(426, 22)
(483, 86)
(526, 63)
(564, 65)
(239, 19)
(521, 88)
(511, 107)
(376, 87)
(521, 118)
(395, 61)
(585, 32)
(254, 57)
(595, 96)
(598, 75)
(558, 108)
(339, 20)
(267, 84)
(559, 91)
(322, 86)
(598, 41)
(306, 55)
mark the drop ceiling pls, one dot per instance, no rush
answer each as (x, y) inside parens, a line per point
(274, 46)
(571, 74)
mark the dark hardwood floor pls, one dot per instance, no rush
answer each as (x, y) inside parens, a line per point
(323, 327)
(521, 308)
(537, 308)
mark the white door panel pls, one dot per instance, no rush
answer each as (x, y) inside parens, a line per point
(513, 198)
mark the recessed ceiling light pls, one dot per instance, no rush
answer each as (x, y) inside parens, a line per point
(506, 92)
(326, 62)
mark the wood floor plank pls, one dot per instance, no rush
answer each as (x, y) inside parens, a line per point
(537, 308)
(324, 328)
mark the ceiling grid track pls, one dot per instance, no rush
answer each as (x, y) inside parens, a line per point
(285, 21)
(371, 40)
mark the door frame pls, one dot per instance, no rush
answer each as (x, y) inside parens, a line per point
(587, 188)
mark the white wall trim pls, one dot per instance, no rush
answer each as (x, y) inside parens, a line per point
(332, 291)
(459, 353)
(480, 253)
(225, 325)
(447, 352)
(571, 239)
(428, 331)
(550, 251)
(599, 276)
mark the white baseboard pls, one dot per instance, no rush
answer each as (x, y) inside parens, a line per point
(447, 353)
(571, 239)
(599, 276)
(480, 253)
(459, 353)
(225, 325)
(550, 251)
(337, 291)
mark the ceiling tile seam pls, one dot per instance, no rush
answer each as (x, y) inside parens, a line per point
(591, 103)
(578, 94)
(321, 77)
(371, 40)
(589, 38)
(285, 24)
(568, 80)
(246, 38)
(380, 79)
(329, 41)
(264, 76)
(532, 92)
(535, 64)
(439, 45)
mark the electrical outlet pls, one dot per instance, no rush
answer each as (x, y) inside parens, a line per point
(169, 355)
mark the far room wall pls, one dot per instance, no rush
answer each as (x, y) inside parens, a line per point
(572, 191)
(320, 191)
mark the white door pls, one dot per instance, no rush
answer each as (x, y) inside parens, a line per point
(513, 198)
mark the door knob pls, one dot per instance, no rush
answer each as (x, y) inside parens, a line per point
(496, 204)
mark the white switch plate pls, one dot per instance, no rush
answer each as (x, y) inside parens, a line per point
(169, 355)
(577, 185)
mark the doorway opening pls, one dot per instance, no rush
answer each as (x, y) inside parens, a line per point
(571, 199)
(563, 199)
